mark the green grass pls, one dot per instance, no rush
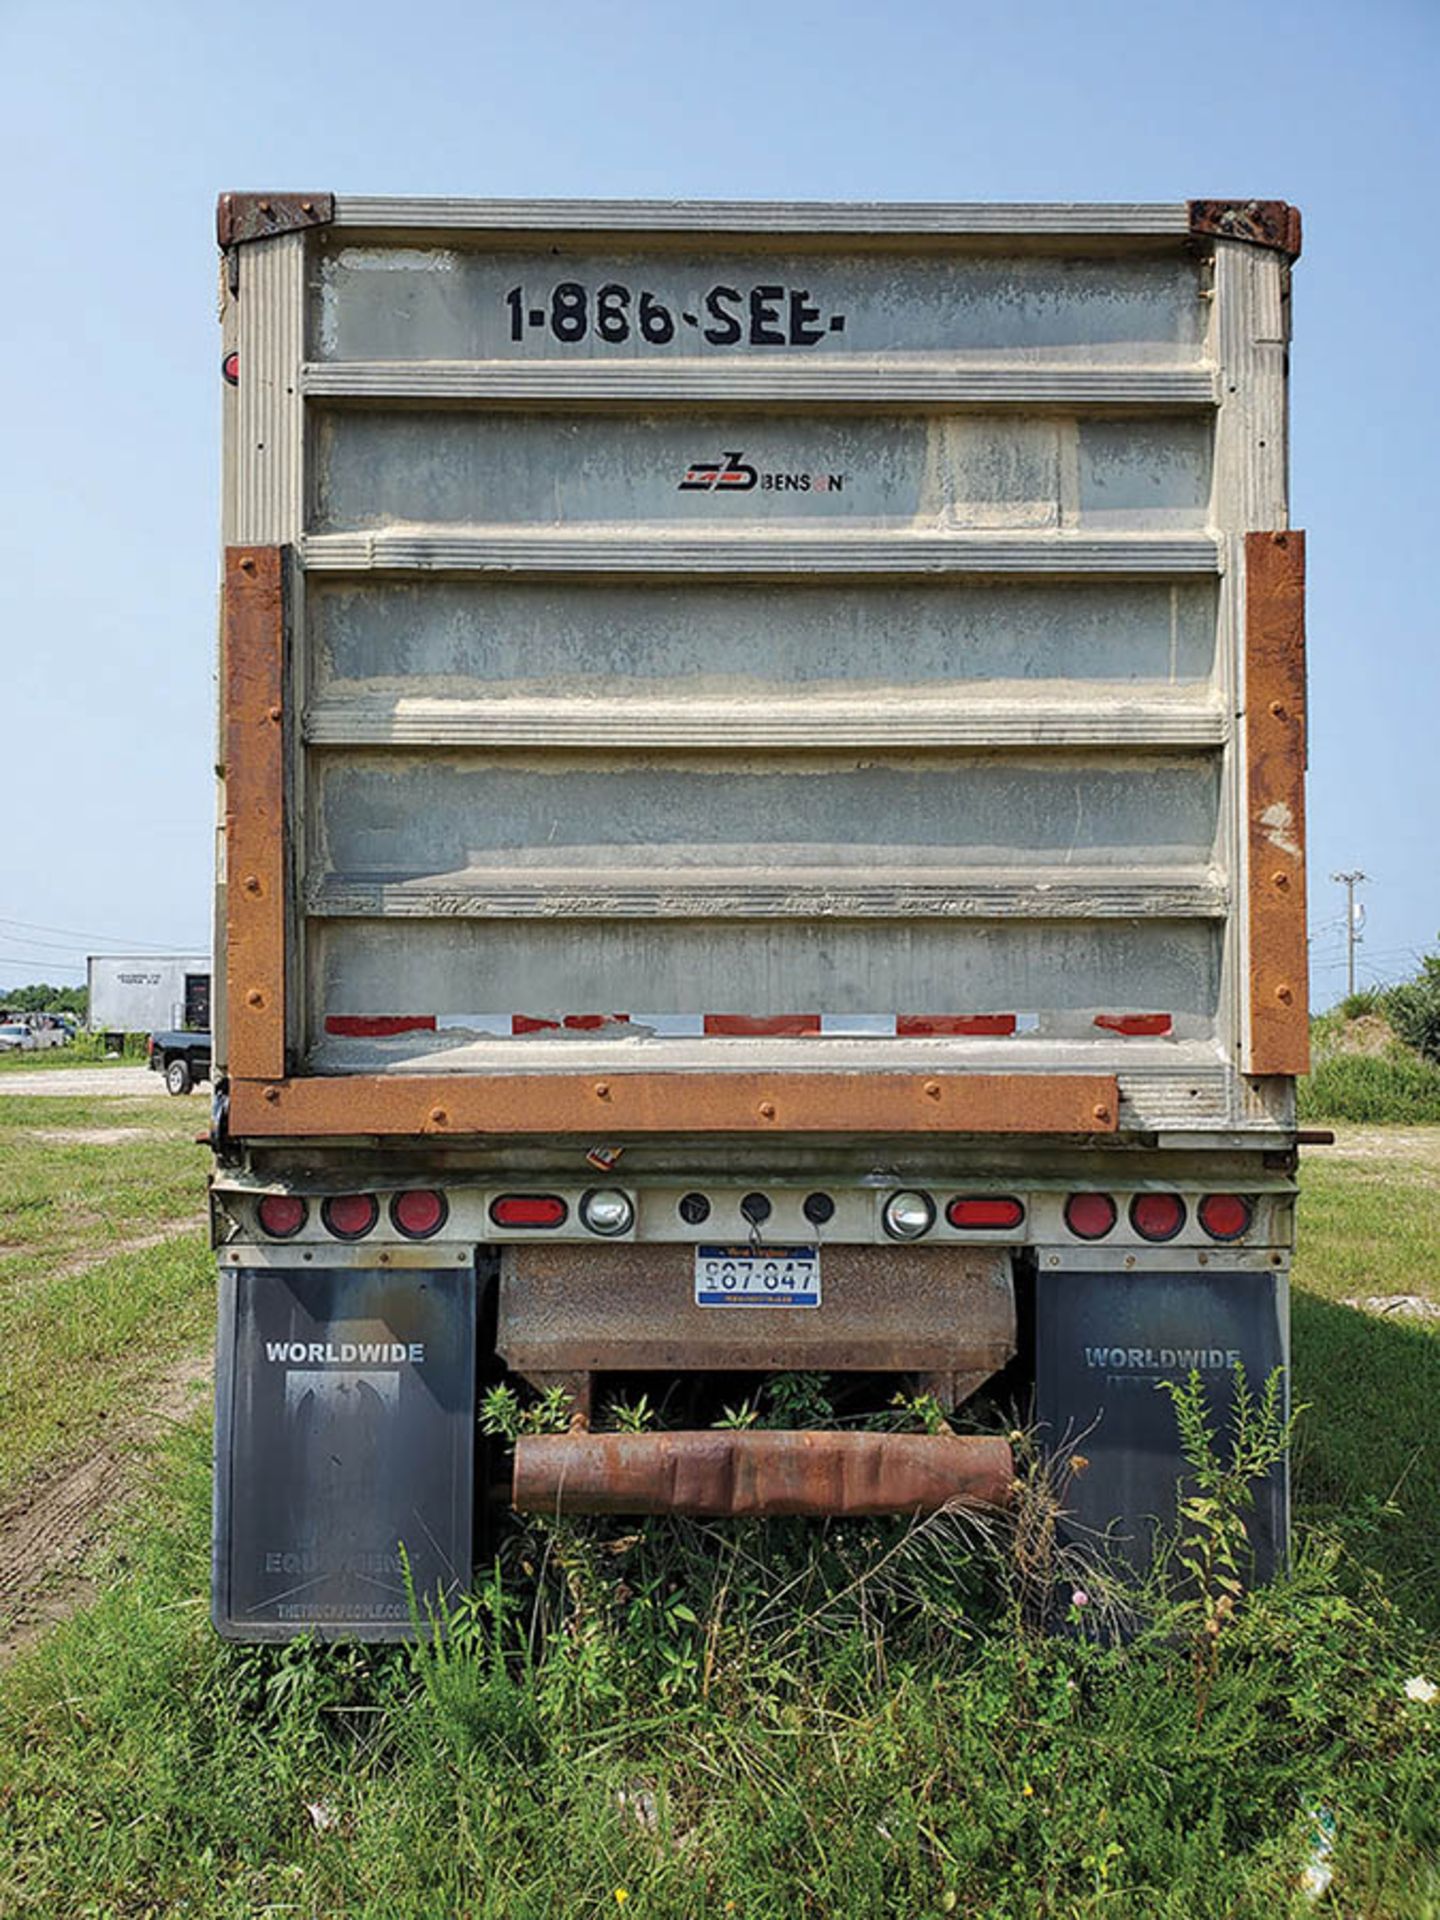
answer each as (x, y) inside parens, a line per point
(87, 1320)
(774, 1724)
(1371, 1088)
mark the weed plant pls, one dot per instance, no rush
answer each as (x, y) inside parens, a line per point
(764, 1720)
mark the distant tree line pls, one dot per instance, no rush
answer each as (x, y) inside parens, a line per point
(45, 999)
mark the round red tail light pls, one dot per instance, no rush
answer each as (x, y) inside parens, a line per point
(529, 1210)
(1225, 1216)
(230, 367)
(1157, 1216)
(419, 1215)
(282, 1215)
(1090, 1216)
(975, 1213)
(350, 1216)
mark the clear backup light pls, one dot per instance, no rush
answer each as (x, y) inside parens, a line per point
(350, 1216)
(906, 1216)
(282, 1215)
(1090, 1216)
(419, 1214)
(608, 1211)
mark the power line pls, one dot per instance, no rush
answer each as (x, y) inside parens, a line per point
(25, 927)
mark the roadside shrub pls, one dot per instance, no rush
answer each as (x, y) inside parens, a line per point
(1414, 1009)
(1365, 1000)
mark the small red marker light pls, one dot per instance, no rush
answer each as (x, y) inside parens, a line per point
(350, 1216)
(1090, 1216)
(980, 1213)
(1157, 1216)
(282, 1215)
(419, 1215)
(529, 1210)
(230, 367)
(1225, 1216)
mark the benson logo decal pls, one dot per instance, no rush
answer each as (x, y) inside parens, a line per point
(730, 474)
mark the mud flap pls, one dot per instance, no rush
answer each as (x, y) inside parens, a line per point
(1104, 1342)
(344, 1447)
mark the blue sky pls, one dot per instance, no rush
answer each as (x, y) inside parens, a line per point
(118, 126)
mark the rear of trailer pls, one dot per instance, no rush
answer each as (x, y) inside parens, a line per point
(763, 831)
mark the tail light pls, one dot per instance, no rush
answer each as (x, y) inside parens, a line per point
(230, 368)
(420, 1214)
(1226, 1216)
(1090, 1216)
(529, 1210)
(1157, 1216)
(694, 1209)
(978, 1213)
(282, 1215)
(350, 1216)
(607, 1211)
(906, 1216)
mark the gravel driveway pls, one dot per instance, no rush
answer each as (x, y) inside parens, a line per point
(68, 1082)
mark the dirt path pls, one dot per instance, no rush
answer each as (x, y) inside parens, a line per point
(50, 1529)
(51, 1525)
(67, 1083)
(1419, 1145)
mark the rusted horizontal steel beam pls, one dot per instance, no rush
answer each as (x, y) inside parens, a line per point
(734, 1475)
(430, 1105)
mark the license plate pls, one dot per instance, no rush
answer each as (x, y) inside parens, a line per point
(757, 1276)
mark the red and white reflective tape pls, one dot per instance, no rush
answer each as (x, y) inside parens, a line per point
(682, 1026)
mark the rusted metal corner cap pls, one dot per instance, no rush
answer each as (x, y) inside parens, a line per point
(1264, 223)
(260, 216)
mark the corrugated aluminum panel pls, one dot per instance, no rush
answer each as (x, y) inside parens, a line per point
(783, 610)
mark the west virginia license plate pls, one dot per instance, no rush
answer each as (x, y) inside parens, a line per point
(757, 1276)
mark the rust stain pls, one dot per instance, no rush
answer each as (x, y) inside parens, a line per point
(1263, 223)
(1279, 1039)
(259, 216)
(419, 1104)
(729, 1475)
(887, 1309)
(254, 640)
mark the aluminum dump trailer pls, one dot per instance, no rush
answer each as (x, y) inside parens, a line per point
(763, 759)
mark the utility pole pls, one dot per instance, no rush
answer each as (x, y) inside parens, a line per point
(1349, 882)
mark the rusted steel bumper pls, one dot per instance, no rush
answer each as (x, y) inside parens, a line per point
(729, 1475)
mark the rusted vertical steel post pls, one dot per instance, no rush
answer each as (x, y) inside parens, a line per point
(1279, 1040)
(255, 812)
